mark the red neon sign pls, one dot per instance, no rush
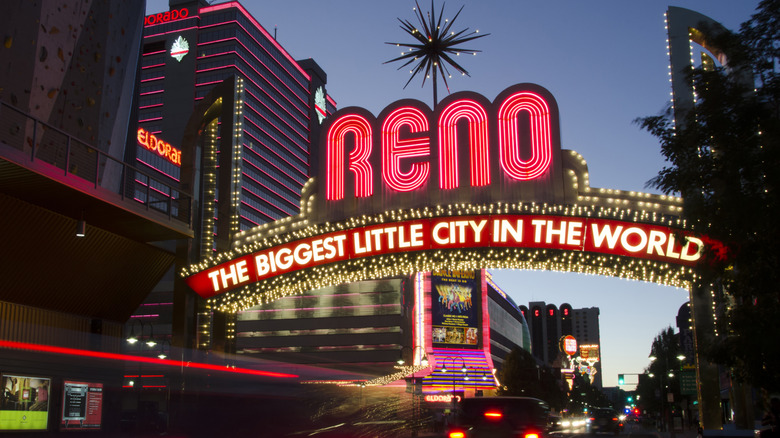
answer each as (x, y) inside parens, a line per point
(360, 129)
(600, 236)
(164, 17)
(394, 149)
(569, 345)
(411, 144)
(477, 118)
(509, 138)
(442, 398)
(162, 148)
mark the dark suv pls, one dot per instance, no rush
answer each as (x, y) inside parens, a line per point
(605, 420)
(488, 417)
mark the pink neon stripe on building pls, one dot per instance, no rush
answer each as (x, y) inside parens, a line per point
(278, 156)
(304, 137)
(170, 31)
(262, 213)
(291, 189)
(291, 204)
(261, 28)
(158, 170)
(253, 82)
(272, 164)
(205, 43)
(277, 140)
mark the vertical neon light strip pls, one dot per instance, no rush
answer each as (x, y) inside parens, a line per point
(358, 158)
(509, 140)
(394, 149)
(478, 144)
(419, 317)
(237, 160)
(486, 324)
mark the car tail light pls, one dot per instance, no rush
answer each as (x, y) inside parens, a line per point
(615, 419)
(456, 434)
(531, 435)
(493, 415)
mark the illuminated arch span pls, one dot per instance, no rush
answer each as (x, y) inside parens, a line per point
(477, 117)
(358, 157)
(509, 146)
(394, 149)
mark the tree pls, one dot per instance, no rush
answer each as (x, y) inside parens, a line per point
(724, 157)
(663, 374)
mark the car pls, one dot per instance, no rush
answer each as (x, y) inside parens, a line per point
(554, 423)
(604, 420)
(498, 417)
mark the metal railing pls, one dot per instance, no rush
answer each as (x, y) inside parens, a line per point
(41, 142)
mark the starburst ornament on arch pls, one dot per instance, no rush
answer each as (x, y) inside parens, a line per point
(436, 45)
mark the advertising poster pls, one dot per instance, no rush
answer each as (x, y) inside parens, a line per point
(24, 404)
(589, 353)
(456, 308)
(82, 405)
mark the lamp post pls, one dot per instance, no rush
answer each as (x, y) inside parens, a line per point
(462, 369)
(664, 383)
(133, 339)
(423, 360)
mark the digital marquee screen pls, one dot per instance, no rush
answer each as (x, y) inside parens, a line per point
(456, 308)
(24, 404)
(82, 405)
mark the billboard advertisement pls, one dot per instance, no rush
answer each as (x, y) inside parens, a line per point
(456, 308)
(25, 402)
(82, 405)
(589, 353)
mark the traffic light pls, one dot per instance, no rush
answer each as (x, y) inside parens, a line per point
(621, 379)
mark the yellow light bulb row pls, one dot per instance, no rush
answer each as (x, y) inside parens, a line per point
(389, 265)
(271, 235)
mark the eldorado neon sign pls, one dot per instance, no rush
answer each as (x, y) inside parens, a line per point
(164, 17)
(162, 148)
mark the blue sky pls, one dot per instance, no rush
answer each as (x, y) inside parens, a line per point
(604, 61)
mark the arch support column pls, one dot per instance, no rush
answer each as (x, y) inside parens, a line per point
(707, 373)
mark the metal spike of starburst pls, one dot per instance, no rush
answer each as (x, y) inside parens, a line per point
(434, 45)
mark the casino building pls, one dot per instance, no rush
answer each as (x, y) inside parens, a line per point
(453, 319)
(211, 76)
(548, 323)
(225, 112)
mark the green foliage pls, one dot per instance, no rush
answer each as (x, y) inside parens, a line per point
(724, 157)
(651, 390)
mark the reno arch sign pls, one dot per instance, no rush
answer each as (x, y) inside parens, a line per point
(470, 184)
(467, 150)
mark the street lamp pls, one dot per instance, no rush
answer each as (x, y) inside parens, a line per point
(162, 354)
(423, 359)
(133, 338)
(664, 383)
(463, 369)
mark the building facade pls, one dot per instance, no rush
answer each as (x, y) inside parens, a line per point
(225, 112)
(548, 323)
(452, 319)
